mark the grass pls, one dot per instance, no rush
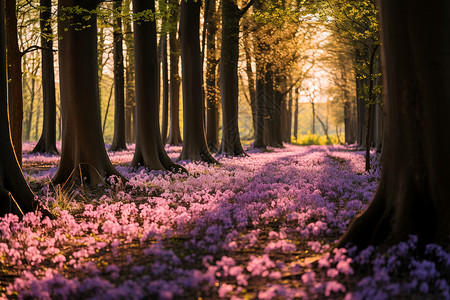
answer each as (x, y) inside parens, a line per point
(314, 139)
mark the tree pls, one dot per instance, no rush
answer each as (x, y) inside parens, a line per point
(15, 99)
(195, 147)
(357, 22)
(277, 54)
(412, 196)
(229, 87)
(165, 70)
(130, 111)
(174, 57)
(15, 194)
(212, 101)
(83, 154)
(149, 147)
(119, 141)
(47, 141)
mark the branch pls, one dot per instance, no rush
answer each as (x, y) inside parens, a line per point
(34, 48)
(249, 4)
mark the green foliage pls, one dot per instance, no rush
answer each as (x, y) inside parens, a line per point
(314, 139)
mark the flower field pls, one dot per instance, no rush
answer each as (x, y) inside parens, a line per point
(257, 227)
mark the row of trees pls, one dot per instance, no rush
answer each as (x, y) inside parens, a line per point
(412, 197)
(270, 45)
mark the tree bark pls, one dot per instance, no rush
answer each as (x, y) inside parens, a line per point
(15, 194)
(29, 116)
(212, 101)
(296, 113)
(15, 97)
(412, 197)
(250, 77)
(129, 79)
(174, 95)
(195, 147)
(260, 107)
(119, 141)
(83, 155)
(229, 87)
(165, 87)
(149, 151)
(47, 141)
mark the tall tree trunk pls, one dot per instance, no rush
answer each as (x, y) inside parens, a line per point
(15, 194)
(260, 107)
(47, 141)
(195, 147)
(149, 151)
(269, 103)
(370, 106)
(288, 121)
(36, 124)
(29, 117)
(250, 76)
(83, 155)
(279, 98)
(129, 79)
(412, 196)
(296, 113)
(163, 48)
(229, 87)
(174, 95)
(100, 52)
(15, 97)
(165, 87)
(119, 141)
(212, 101)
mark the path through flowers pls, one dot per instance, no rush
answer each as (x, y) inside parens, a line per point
(261, 227)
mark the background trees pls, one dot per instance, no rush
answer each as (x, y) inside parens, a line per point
(289, 31)
(267, 68)
(47, 141)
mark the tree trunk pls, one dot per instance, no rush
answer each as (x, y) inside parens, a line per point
(83, 155)
(276, 111)
(149, 151)
(195, 147)
(412, 197)
(163, 48)
(229, 87)
(15, 97)
(29, 117)
(250, 77)
(289, 118)
(296, 113)
(212, 102)
(174, 95)
(349, 108)
(260, 107)
(15, 194)
(269, 106)
(129, 79)
(47, 141)
(165, 87)
(119, 141)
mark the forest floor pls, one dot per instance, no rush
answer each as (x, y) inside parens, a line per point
(256, 227)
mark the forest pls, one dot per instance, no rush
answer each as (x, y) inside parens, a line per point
(224, 149)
